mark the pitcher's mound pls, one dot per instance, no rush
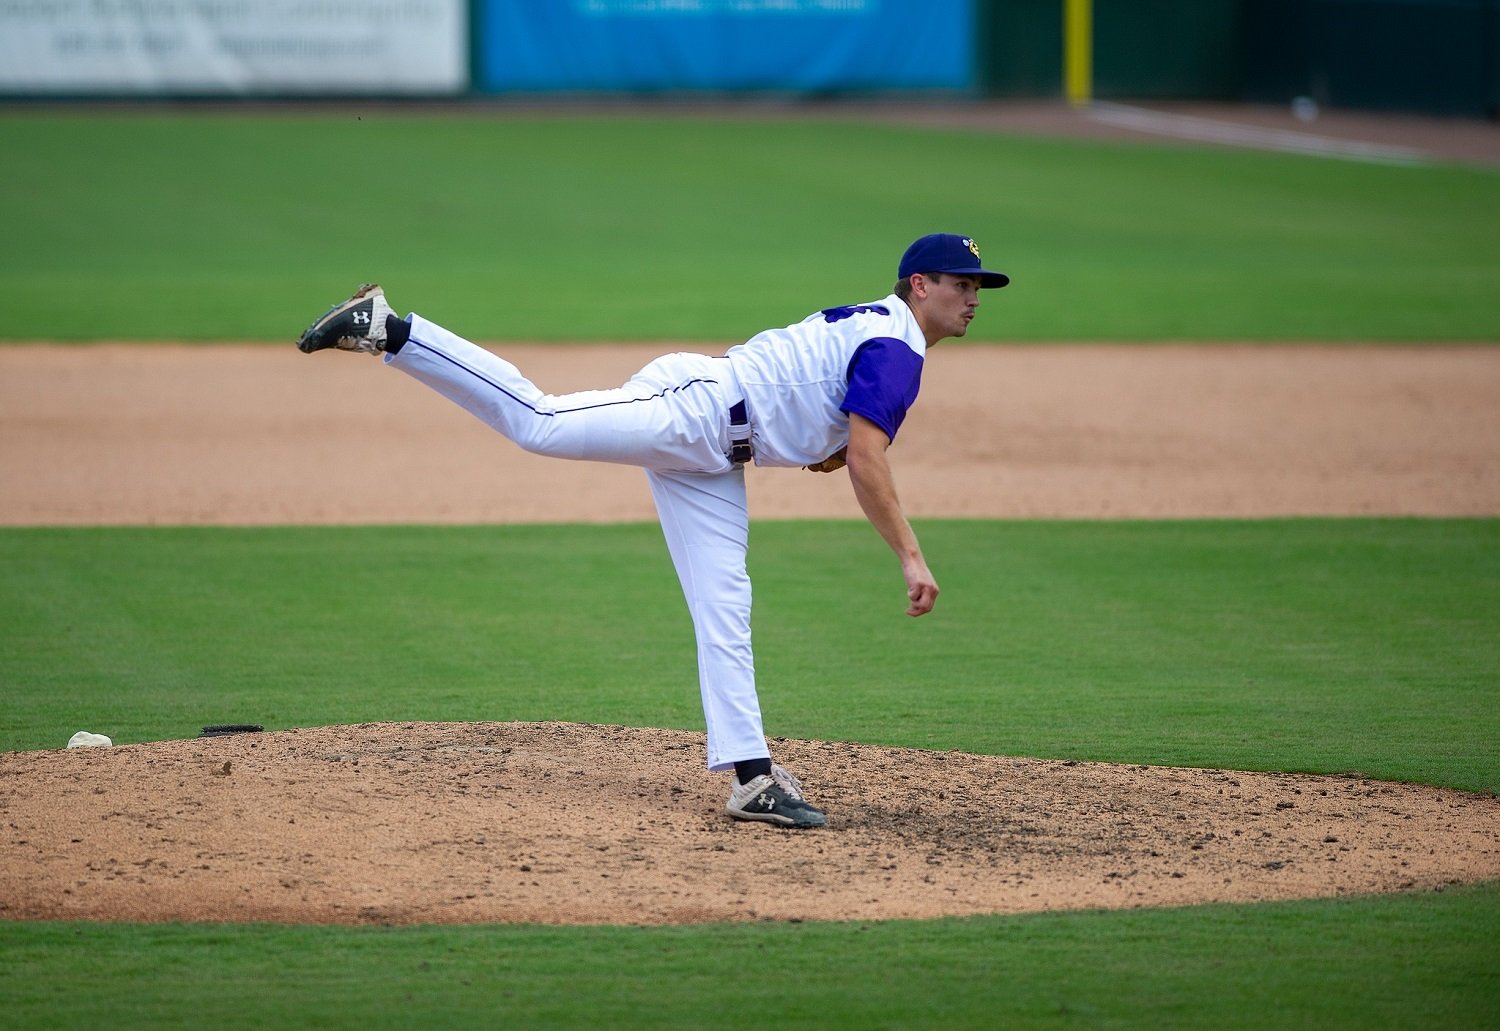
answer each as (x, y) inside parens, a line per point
(567, 823)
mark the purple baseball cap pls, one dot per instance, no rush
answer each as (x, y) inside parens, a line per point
(948, 252)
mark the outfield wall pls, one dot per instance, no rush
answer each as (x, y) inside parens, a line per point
(230, 48)
(1429, 56)
(1422, 56)
(1435, 56)
(786, 46)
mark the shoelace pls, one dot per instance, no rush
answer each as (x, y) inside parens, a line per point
(787, 782)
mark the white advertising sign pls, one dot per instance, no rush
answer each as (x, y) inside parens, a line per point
(231, 47)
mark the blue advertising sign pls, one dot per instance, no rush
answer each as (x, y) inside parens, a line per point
(804, 46)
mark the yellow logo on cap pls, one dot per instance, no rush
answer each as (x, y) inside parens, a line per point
(972, 246)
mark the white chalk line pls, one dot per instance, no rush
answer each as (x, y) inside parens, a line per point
(1208, 130)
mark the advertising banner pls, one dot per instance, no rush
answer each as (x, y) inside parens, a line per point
(798, 46)
(212, 47)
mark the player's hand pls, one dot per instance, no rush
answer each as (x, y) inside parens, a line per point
(921, 588)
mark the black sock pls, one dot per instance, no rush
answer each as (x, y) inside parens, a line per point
(397, 330)
(748, 769)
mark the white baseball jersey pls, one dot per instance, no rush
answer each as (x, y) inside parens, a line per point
(802, 382)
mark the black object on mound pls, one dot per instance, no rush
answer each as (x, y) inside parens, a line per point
(225, 729)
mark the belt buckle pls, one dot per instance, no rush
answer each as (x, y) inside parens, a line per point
(740, 451)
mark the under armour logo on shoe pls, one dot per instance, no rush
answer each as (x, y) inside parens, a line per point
(361, 318)
(768, 801)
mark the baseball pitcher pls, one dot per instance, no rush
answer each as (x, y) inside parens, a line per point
(826, 393)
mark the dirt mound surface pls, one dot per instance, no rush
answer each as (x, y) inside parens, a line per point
(566, 823)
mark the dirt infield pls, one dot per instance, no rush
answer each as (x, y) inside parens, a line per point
(265, 435)
(563, 823)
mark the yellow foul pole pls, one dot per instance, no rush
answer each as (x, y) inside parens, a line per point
(1078, 51)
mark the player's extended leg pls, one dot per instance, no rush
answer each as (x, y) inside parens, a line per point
(671, 414)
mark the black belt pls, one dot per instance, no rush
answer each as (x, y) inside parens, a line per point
(739, 434)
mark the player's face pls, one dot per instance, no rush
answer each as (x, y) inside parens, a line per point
(951, 302)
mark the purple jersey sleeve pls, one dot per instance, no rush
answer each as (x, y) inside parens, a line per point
(884, 377)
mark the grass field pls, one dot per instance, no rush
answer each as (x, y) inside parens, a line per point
(1301, 645)
(203, 227)
(1316, 645)
(1405, 962)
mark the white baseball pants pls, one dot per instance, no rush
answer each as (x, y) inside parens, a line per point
(672, 418)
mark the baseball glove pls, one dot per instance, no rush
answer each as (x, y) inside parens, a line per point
(833, 463)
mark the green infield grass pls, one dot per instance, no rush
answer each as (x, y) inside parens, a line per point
(207, 225)
(1367, 646)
